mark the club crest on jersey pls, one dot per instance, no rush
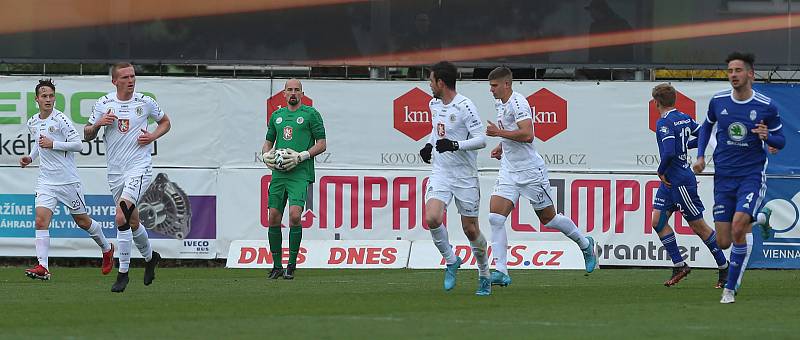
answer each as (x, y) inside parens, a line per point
(287, 133)
(139, 111)
(440, 129)
(753, 114)
(300, 120)
(278, 120)
(123, 125)
(737, 131)
(452, 117)
(52, 129)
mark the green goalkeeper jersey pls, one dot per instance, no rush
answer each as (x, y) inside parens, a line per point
(296, 130)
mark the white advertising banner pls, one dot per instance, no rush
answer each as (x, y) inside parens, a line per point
(323, 254)
(521, 255)
(369, 124)
(362, 205)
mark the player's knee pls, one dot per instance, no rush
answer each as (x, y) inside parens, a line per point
(433, 221)
(660, 222)
(120, 222)
(294, 219)
(42, 222)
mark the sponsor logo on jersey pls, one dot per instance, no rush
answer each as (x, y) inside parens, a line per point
(737, 131)
(440, 129)
(124, 125)
(753, 114)
(278, 120)
(300, 120)
(664, 130)
(724, 112)
(287, 133)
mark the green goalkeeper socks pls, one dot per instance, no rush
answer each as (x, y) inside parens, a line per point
(275, 240)
(295, 236)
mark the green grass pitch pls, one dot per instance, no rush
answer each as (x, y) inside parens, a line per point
(218, 303)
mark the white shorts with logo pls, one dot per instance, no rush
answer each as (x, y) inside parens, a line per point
(533, 184)
(71, 195)
(130, 186)
(466, 191)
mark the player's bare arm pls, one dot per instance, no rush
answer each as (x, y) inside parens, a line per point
(523, 134)
(148, 137)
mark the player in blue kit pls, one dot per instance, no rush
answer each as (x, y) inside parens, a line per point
(678, 190)
(746, 120)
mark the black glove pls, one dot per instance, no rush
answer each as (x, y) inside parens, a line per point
(425, 153)
(443, 145)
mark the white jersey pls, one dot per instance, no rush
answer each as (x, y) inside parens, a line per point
(517, 156)
(123, 152)
(57, 165)
(457, 121)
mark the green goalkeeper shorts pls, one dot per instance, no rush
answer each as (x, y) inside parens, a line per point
(283, 189)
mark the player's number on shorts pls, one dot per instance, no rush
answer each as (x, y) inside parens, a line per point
(76, 204)
(749, 197)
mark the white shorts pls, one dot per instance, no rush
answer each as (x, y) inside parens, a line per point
(532, 184)
(71, 195)
(467, 192)
(130, 186)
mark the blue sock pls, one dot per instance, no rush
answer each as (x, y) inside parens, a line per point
(672, 248)
(711, 243)
(738, 253)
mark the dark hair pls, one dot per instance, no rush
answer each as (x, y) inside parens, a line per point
(118, 66)
(664, 94)
(501, 72)
(45, 82)
(748, 58)
(446, 72)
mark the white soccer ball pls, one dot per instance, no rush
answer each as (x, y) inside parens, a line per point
(280, 156)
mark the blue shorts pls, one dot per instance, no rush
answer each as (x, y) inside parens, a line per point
(738, 194)
(682, 198)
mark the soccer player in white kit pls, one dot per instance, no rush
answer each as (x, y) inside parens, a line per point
(457, 135)
(124, 115)
(522, 173)
(57, 141)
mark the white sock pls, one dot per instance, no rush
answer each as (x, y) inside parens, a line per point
(96, 233)
(42, 243)
(749, 239)
(566, 226)
(442, 242)
(479, 251)
(124, 240)
(143, 243)
(499, 242)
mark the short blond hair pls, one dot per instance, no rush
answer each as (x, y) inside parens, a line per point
(118, 66)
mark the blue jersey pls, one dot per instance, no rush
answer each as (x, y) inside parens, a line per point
(739, 151)
(673, 131)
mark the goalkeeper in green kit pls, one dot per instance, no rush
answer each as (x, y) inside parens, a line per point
(295, 134)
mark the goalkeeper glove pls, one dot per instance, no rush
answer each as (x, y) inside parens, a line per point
(293, 158)
(425, 153)
(269, 159)
(445, 144)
